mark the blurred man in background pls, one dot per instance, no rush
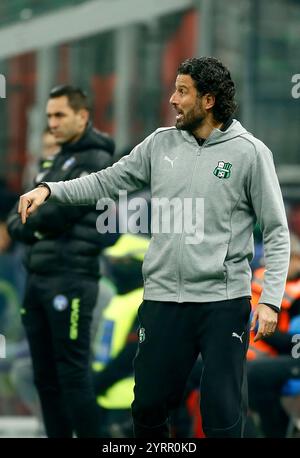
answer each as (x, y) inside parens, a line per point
(36, 166)
(62, 260)
(50, 147)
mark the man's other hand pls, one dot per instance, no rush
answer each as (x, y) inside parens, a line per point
(267, 321)
(30, 201)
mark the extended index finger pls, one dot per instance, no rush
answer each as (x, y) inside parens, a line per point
(262, 328)
(24, 206)
(258, 336)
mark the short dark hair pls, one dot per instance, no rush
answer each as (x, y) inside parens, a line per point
(211, 76)
(77, 97)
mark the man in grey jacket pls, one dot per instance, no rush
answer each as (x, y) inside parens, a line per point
(196, 275)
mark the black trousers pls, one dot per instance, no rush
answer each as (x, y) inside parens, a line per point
(57, 316)
(171, 337)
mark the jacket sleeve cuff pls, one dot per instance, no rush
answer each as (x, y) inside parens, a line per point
(273, 307)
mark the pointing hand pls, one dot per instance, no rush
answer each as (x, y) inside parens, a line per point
(30, 201)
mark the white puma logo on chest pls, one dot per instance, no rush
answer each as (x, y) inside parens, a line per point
(166, 158)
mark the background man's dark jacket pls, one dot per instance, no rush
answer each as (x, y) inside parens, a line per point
(64, 238)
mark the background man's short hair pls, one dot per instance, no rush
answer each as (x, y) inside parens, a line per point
(76, 96)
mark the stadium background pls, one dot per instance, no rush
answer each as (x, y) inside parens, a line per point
(125, 54)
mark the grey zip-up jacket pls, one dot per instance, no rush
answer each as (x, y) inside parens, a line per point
(218, 190)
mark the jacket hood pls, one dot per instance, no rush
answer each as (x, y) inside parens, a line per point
(90, 140)
(218, 136)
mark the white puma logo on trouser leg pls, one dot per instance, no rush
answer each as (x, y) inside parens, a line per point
(234, 334)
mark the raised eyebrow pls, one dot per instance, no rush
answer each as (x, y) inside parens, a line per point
(181, 86)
